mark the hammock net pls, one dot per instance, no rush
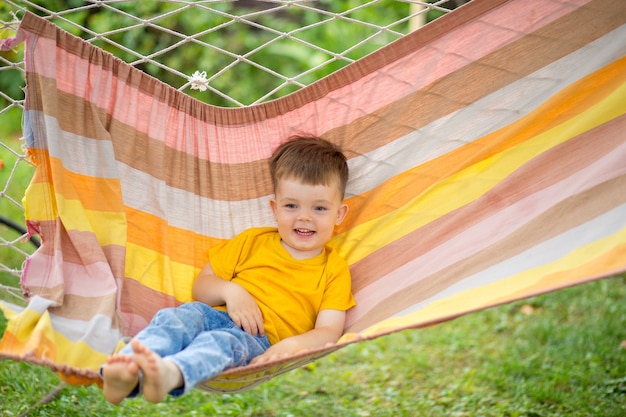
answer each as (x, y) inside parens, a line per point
(487, 165)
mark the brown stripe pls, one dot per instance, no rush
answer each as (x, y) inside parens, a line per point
(143, 302)
(76, 307)
(73, 113)
(540, 172)
(580, 209)
(226, 182)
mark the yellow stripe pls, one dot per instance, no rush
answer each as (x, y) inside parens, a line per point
(39, 203)
(29, 332)
(158, 272)
(469, 184)
(586, 261)
(108, 226)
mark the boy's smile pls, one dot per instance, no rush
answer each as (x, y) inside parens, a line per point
(306, 215)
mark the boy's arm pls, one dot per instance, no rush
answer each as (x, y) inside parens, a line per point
(328, 329)
(242, 308)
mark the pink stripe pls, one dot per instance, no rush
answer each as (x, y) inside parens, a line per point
(233, 144)
(95, 280)
(486, 233)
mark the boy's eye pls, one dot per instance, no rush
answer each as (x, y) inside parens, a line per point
(290, 206)
(320, 208)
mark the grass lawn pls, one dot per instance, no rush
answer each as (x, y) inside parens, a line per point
(560, 354)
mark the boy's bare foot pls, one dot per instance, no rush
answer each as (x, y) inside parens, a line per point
(121, 376)
(160, 376)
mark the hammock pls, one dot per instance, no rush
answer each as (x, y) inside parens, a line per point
(488, 161)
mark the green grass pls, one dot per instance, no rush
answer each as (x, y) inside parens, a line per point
(559, 354)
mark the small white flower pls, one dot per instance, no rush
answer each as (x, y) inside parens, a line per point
(199, 81)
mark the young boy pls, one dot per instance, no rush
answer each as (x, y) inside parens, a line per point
(265, 294)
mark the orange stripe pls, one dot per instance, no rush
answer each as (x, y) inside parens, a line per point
(153, 233)
(36, 345)
(95, 193)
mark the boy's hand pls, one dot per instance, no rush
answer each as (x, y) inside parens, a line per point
(243, 309)
(328, 328)
(280, 350)
(241, 306)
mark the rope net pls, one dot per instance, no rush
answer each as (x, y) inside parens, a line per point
(225, 53)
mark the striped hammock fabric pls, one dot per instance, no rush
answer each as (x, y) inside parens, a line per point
(488, 164)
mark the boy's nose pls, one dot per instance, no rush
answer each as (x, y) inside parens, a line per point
(304, 216)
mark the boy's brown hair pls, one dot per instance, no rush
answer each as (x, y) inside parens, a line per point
(310, 159)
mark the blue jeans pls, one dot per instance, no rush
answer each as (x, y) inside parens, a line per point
(200, 340)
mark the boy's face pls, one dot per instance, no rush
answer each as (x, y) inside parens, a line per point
(307, 215)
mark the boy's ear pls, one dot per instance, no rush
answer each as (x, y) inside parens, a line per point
(273, 205)
(341, 213)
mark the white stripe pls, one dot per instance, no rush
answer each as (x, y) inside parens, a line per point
(81, 155)
(188, 211)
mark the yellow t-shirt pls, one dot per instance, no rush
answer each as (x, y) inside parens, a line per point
(289, 292)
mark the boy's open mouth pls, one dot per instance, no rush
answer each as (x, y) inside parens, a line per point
(304, 232)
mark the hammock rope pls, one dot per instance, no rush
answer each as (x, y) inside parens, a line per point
(487, 158)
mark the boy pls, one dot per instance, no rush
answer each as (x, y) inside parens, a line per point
(265, 294)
